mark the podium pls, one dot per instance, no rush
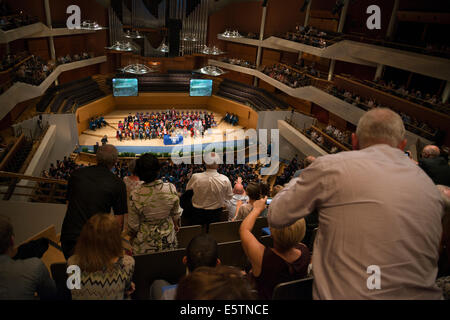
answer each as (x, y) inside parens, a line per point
(170, 141)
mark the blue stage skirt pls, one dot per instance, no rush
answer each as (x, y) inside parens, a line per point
(170, 141)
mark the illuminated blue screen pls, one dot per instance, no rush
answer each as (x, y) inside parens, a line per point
(125, 87)
(201, 88)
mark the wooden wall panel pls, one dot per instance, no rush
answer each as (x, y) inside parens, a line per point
(94, 109)
(322, 115)
(358, 71)
(39, 47)
(298, 104)
(324, 24)
(240, 51)
(244, 16)
(238, 76)
(152, 100)
(248, 118)
(337, 122)
(264, 85)
(282, 16)
(270, 57)
(76, 74)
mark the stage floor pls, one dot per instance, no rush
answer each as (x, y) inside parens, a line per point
(89, 137)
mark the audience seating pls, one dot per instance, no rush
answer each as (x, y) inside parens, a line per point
(258, 98)
(76, 93)
(267, 241)
(294, 290)
(185, 235)
(229, 231)
(59, 275)
(165, 265)
(225, 231)
(232, 254)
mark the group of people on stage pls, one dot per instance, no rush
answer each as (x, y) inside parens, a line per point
(232, 119)
(97, 123)
(157, 125)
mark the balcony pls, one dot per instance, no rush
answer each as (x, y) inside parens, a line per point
(332, 104)
(21, 92)
(360, 53)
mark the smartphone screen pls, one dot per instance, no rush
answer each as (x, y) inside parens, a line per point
(269, 200)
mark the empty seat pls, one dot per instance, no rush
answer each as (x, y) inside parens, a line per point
(167, 265)
(225, 231)
(229, 231)
(232, 254)
(294, 290)
(185, 235)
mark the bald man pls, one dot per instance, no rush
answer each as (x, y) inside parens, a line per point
(238, 195)
(435, 166)
(379, 217)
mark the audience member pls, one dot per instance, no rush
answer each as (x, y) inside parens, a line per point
(288, 260)
(210, 191)
(132, 182)
(155, 210)
(435, 166)
(21, 279)
(254, 192)
(157, 125)
(361, 196)
(218, 283)
(202, 251)
(306, 163)
(275, 190)
(287, 76)
(92, 190)
(238, 195)
(105, 271)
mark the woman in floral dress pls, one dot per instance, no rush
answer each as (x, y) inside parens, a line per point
(155, 210)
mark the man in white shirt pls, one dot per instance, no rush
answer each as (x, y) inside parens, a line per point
(380, 217)
(211, 189)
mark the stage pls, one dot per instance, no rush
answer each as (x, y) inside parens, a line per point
(88, 138)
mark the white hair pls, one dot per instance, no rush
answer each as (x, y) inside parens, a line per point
(380, 126)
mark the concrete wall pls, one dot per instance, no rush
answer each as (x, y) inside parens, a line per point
(299, 141)
(30, 218)
(269, 120)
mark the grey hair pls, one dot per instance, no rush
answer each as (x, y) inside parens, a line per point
(107, 156)
(380, 125)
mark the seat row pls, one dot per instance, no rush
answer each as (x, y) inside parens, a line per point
(258, 98)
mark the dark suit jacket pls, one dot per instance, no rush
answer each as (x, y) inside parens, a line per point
(437, 169)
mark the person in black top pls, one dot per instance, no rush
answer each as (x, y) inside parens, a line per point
(92, 190)
(435, 165)
(104, 140)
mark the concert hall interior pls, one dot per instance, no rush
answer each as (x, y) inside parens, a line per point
(303, 143)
